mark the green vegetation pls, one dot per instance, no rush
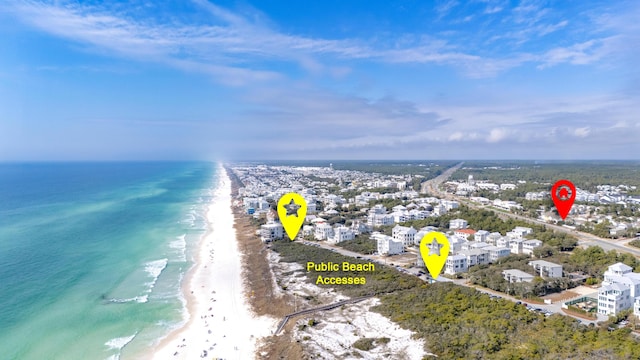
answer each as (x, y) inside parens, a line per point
(361, 244)
(364, 344)
(490, 276)
(585, 175)
(489, 220)
(460, 323)
(635, 243)
(382, 280)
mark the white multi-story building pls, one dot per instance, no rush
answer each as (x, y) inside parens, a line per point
(516, 246)
(456, 264)
(474, 245)
(405, 234)
(496, 253)
(450, 204)
(387, 245)
(613, 298)
(456, 243)
(620, 273)
(465, 233)
(515, 275)
(481, 235)
(546, 268)
(376, 219)
(458, 224)
(424, 231)
(323, 231)
(341, 233)
(493, 238)
(523, 231)
(529, 245)
(475, 256)
(271, 231)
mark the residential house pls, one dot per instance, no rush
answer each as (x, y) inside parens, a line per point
(614, 298)
(387, 245)
(475, 256)
(496, 253)
(515, 276)
(456, 264)
(323, 231)
(546, 268)
(341, 233)
(481, 235)
(529, 245)
(464, 233)
(271, 231)
(458, 224)
(405, 234)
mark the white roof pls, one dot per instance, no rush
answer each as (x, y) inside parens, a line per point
(518, 273)
(620, 267)
(544, 263)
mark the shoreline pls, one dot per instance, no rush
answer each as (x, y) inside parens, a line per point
(215, 290)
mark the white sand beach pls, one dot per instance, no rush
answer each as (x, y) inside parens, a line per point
(221, 324)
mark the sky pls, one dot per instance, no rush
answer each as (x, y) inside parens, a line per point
(261, 80)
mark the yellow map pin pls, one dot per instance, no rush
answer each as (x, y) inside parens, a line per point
(292, 210)
(434, 248)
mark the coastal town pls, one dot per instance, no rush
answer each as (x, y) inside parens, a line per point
(378, 216)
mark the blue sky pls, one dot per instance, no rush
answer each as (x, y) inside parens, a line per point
(478, 79)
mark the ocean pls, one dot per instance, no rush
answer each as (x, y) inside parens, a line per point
(92, 255)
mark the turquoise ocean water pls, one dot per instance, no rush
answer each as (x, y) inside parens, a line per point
(92, 255)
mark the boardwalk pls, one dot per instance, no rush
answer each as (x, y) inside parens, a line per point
(320, 308)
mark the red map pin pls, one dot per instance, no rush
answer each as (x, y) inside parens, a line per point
(563, 194)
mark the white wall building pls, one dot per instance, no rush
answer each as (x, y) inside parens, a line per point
(620, 273)
(546, 268)
(458, 224)
(271, 231)
(515, 275)
(387, 245)
(496, 253)
(481, 235)
(613, 298)
(341, 233)
(529, 245)
(323, 231)
(475, 256)
(405, 234)
(516, 246)
(456, 264)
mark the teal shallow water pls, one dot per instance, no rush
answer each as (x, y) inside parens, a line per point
(92, 254)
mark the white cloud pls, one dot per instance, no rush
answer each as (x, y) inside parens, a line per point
(582, 131)
(497, 135)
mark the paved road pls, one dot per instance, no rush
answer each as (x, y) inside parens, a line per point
(553, 308)
(432, 187)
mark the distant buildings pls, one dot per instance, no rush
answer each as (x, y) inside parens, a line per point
(458, 224)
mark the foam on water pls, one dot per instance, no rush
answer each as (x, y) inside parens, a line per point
(155, 268)
(180, 244)
(118, 344)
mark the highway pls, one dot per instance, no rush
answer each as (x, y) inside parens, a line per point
(432, 187)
